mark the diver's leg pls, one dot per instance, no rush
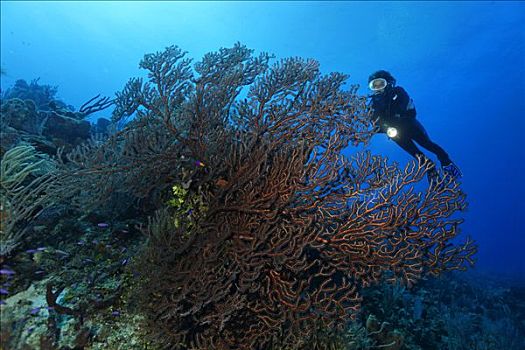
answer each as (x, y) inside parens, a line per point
(419, 134)
(409, 146)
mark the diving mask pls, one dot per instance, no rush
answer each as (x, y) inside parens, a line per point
(377, 84)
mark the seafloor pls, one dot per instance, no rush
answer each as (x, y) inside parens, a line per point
(458, 311)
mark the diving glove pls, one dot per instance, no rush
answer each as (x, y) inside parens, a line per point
(452, 170)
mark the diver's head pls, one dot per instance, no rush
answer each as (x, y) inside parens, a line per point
(378, 81)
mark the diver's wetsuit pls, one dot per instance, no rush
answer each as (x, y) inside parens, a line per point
(395, 108)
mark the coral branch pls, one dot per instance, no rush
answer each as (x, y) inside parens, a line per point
(95, 104)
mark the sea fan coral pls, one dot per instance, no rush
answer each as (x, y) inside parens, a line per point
(290, 230)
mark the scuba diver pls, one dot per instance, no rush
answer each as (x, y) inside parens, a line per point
(395, 113)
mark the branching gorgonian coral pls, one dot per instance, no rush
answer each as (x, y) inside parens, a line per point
(20, 195)
(289, 229)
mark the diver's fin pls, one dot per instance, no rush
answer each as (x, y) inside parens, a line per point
(452, 170)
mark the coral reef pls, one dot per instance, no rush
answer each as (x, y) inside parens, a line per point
(40, 94)
(31, 113)
(73, 293)
(259, 234)
(34, 125)
(453, 312)
(288, 231)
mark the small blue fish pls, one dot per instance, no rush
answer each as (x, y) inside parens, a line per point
(4, 291)
(35, 311)
(103, 225)
(7, 272)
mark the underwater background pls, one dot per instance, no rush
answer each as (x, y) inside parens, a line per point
(463, 63)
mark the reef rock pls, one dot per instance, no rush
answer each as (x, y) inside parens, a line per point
(20, 115)
(72, 131)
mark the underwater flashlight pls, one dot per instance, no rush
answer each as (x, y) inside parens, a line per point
(377, 84)
(391, 132)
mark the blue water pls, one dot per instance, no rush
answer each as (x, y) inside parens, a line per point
(462, 63)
